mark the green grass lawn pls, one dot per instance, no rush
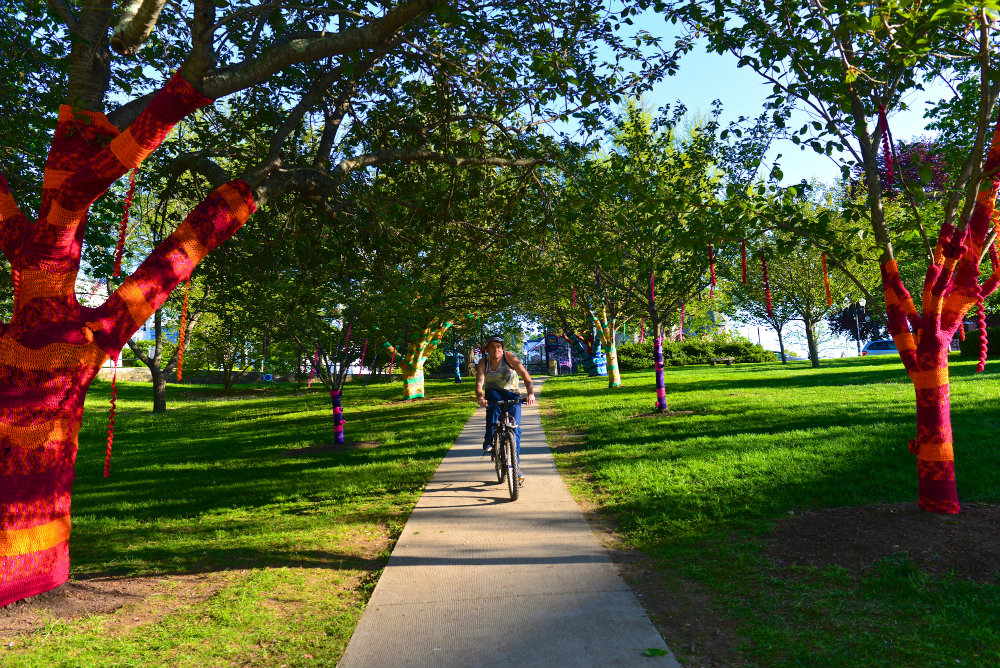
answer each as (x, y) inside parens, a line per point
(288, 546)
(752, 443)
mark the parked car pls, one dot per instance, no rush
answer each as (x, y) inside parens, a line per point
(880, 348)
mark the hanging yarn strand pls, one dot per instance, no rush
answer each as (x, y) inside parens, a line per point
(642, 330)
(711, 264)
(983, 343)
(123, 225)
(680, 334)
(826, 281)
(743, 253)
(767, 285)
(111, 416)
(183, 333)
(886, 141)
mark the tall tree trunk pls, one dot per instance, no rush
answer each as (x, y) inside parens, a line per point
(811, 342)
(781, 345)
(338, 417)
(53, 347)
(661, 386)
(606, 332)
(159, 390)
(412, 363)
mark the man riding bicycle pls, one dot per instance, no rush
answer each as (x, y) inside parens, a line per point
(496, 380)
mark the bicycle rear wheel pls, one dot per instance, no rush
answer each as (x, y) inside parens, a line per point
(498, 457)
(510, 449)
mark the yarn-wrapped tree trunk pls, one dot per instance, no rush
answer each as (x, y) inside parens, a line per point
(52, 348)
(412, 360)
(951, 287)
(585, 350)
(606, 334)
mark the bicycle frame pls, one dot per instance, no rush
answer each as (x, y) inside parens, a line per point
(504, 449)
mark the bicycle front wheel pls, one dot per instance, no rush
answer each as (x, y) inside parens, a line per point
(510, 448)
(498, 458)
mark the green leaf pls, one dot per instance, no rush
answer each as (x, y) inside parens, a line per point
(655, 651)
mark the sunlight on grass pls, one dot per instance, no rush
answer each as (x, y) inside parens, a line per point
(745, 445)
(292, 540)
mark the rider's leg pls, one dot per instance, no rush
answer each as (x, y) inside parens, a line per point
(491, 410)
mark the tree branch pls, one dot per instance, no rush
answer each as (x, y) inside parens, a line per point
(65, 13)
(137, 22)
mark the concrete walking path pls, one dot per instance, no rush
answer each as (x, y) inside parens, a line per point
(476, 581)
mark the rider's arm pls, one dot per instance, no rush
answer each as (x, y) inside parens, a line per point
(480, 381)
(516, 365)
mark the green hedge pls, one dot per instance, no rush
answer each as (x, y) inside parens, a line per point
(639, 356)
(970, 347)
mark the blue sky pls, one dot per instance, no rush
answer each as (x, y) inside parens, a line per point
(704, 77)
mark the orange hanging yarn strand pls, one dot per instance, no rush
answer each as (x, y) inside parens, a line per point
(180, 337)
(826, 282)
(111, 416)
(123, 226)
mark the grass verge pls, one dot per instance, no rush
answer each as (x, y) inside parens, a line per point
(696, 491)
(251, 540)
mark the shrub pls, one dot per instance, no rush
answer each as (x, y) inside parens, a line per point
(697, 350)
(970, 347)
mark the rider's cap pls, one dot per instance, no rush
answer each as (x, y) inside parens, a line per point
(494, 339)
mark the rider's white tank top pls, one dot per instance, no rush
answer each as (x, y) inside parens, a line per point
(502, 378)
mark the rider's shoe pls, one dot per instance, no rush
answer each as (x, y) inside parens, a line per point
(520, 479)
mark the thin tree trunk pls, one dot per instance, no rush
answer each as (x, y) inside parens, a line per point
(811, 342)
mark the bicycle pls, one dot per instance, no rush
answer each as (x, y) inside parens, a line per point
(504, 453)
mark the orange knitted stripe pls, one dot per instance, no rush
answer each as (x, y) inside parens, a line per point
(135, 301)
(905, 342)
(188, 239)
(61, 218)
(937, 451)
(25, 541)
(236, 203)
(128, 151)
(53, 358)
(926, 380)
(68, 115)
(39, 284)
(36, 436)
(54, 178)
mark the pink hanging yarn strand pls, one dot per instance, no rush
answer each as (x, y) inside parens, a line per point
(392, 361)
(347, 339)
(312, 369)
(364, 350)
(680, 336)
(826, 282)
(983, 343)
(743, 252)
(711, 264)
(111, 416)
(574, 296)
(767, 285)
(886, 140)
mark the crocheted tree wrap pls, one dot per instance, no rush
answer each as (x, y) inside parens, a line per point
(53, 346)
(951, 287)
(338, 417)
(661, 387)
(412, 362)
(606, 334)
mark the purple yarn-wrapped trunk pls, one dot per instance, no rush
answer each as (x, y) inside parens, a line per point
(338, 418)
(661, 386)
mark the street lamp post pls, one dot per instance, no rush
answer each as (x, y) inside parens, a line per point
(857, 326)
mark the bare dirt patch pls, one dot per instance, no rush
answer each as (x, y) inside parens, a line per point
(330, 448)
(967, 545)
(140, 600)
(664, 414)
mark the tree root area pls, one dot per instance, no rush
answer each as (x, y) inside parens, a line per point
(966, 545)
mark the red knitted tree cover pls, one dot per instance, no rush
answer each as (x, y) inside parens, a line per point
(951, 287)
(53, 346)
